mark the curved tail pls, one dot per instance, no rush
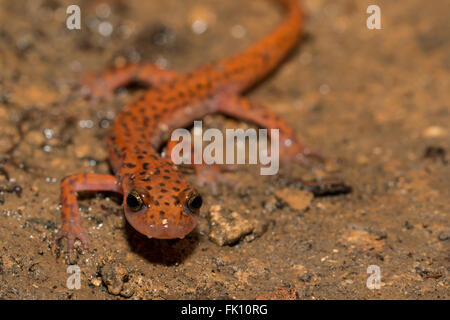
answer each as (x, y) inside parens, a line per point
(250, 66)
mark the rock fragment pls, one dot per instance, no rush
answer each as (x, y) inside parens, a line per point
(228, 229)
(297, 200)
(114, 276)
(444, 235)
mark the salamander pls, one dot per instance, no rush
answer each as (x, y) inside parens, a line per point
(158, 202)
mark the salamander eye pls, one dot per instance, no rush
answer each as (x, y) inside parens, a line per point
(194, 201)
(134, 201)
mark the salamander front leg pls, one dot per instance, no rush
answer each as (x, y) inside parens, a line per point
(102, 86)
(71, 222)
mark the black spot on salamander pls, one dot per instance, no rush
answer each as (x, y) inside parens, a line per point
(162, 213)
(148, 188)
(145, 165)
(162, 184)
(176, 189)
(129, 165)
(157, 171)
(166, 177)
(166, 203)
(166, 170)
(142, 173)
(156, 203)
(140, 156)
(163, 191)
(154, 157)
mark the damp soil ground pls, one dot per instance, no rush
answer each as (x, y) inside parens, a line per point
(375, 102)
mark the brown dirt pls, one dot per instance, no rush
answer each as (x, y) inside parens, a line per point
(375, 102)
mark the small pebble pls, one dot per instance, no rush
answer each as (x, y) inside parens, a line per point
(227, 229)
(113, 276)
(445, 235)
(434, 132)
(298, 200)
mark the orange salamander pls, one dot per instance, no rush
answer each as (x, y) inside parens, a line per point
(158, 202)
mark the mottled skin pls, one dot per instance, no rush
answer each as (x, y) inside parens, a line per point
(158, 202)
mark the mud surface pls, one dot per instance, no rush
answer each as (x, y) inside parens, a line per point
(376, 102)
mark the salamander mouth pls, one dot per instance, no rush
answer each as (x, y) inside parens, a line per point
(170, 231)
(165, 229)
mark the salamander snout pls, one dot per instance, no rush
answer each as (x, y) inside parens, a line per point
(168, 217)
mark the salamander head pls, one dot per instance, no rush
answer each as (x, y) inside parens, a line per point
(160, 209)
